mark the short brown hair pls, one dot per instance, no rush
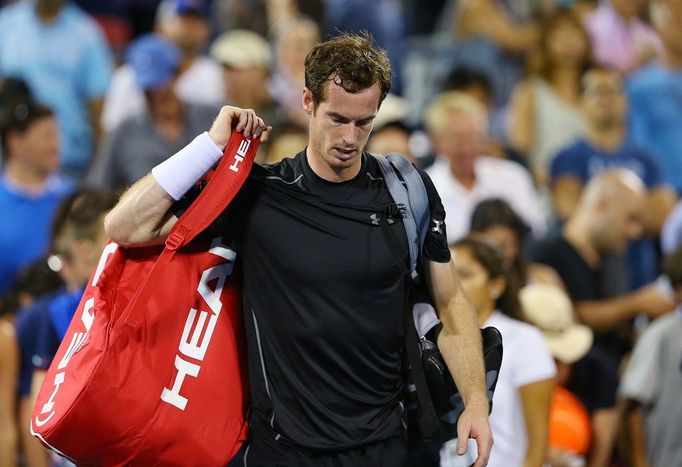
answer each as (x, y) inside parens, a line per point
(351, 61)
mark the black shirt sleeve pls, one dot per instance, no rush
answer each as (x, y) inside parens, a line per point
(436, 241)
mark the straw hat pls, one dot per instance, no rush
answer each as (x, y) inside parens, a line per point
(549, 308)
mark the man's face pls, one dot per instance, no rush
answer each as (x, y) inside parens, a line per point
(248, 82)
(462, 141)
(617, 223)
(340, 126)
(189, 32)
(38, 146)
(604, 101)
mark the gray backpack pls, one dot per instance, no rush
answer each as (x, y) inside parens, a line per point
(433, 401)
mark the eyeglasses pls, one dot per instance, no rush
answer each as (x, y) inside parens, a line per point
(603, 91)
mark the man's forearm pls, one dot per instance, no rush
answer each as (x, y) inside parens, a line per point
(460, 344)
(141, 216)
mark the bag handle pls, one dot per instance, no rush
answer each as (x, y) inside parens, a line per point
(223, 185)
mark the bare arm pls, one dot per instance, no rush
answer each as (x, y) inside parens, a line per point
(9, 369)
(604, 429)
(142, 216)
(635, 429)
(566, 192)
(536, 399)
(522, 118)
(485, 18)
(604, 314)
(460, 344)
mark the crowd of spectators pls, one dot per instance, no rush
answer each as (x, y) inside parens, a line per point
(552, 130)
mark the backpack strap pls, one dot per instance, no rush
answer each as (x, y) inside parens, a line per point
(416, 193)
(411, 198)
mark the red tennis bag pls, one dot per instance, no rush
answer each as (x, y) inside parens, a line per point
(152, 369)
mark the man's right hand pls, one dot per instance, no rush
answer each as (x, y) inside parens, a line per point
(233, 118)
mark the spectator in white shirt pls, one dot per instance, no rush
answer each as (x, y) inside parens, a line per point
(457, 125)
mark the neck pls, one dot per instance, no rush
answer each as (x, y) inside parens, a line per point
(564, 80)
(47, 13)
(253, 100)
(625, 15)
(671, 60)
(608, 139)
(331, 174)
(24, 177)
(464, 173)
(483, 315)
(575, 232)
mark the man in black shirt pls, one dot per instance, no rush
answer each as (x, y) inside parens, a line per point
(608, 216)
(323, 297)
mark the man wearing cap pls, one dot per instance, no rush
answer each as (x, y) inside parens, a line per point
(247, 63)
(184, 23)
(144, 140)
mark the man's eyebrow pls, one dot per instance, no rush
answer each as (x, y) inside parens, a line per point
(346, 119)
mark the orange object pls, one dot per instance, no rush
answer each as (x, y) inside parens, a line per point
(569, 423)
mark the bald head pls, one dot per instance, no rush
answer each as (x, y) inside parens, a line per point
(612, 185)
(612, 205)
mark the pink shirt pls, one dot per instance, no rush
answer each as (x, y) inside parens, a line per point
(616, 41)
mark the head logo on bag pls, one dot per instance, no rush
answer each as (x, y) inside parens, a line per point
(195, 348)
(77, 340)
(239, 156)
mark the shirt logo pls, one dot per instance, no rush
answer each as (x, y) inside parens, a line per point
(437, 226)
(375, 219)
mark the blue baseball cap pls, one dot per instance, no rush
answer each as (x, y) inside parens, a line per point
(154, 61)
(184, 7)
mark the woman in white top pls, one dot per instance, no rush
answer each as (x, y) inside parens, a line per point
(544, 116)
(520, 412)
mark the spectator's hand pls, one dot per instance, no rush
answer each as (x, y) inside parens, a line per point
(653, 301)
(473, 423)
(234, 118)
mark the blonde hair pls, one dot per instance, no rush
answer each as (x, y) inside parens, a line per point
(447, 104)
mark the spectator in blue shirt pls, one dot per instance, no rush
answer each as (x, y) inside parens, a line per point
(656, 94)
(64, 58)
(607, 144)
(29, 189)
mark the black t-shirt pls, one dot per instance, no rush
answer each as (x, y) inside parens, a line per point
(323, 300)
(594, 379)
(586, 283)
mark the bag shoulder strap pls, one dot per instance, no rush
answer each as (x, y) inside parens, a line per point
(222, 187)
(412, 195)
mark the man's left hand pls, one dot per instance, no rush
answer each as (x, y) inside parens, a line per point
(473, 423)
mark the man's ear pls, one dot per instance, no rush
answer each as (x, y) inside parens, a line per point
(307, 100)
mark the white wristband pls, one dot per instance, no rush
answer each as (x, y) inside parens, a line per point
(178, 173)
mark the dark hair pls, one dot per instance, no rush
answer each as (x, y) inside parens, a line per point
(672, 267)
(463, 77)
(79, 216)
(496, 212)
(351, 61)
(19, 118)
(33, 280)
(495, 264)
